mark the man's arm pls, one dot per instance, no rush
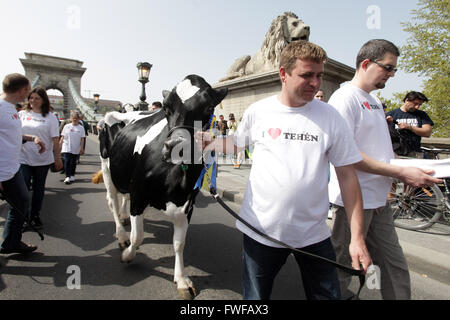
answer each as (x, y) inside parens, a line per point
(225, 145)
(352, 198)
(36, 140)
(425, 131)
(410, 175)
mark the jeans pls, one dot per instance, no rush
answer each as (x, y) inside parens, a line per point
(35, 177)
(262, 263)
(16, 193)
(70, 164)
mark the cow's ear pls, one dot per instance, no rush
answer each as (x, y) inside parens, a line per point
(165, 93)
(221, 94)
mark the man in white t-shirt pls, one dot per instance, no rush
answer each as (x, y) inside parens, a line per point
(364, 115)
(12, 184)
(294, 137)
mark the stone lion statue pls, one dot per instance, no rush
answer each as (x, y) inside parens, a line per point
(284, 29)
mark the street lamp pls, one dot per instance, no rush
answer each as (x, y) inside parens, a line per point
(144, 73)
(96, 99)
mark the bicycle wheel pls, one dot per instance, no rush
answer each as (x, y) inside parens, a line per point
(415, 208)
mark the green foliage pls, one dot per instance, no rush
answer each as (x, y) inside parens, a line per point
(426, 53)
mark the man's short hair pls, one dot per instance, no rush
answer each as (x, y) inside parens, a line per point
(157, 104)
(303, 50)
(413, 95)
(375, 50)
(14, 82)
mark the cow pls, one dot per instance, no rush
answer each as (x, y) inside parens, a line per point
(137, 155)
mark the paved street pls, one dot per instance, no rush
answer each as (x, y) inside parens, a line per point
(79, 231)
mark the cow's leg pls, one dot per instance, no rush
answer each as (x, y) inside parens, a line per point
(180, 222)
(124, 214)
(184, 284)
(113, 204)
(136, 238)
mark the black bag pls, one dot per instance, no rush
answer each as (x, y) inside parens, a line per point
(401, 141)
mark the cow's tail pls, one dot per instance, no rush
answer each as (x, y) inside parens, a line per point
(97, 177)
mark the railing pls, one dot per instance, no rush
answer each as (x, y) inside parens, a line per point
(35, 81)
(87, 110)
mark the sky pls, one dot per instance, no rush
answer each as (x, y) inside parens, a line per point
(181, 37)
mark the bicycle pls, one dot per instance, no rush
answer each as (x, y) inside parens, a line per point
(420, 208)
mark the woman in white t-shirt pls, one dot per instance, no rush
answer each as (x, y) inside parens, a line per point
(38, 120)
(72, 145)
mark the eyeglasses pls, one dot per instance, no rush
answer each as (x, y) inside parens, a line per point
(385, 67)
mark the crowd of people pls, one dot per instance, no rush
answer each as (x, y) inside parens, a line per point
(296, 135)
(24, 166)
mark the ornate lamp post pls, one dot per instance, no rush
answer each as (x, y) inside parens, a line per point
(96, 99)
(144, 73)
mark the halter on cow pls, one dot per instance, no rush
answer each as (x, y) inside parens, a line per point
(138, 158)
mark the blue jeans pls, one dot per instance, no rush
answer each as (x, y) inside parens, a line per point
(70, 164)
(262, 263)
(35, 177)
(16, 193)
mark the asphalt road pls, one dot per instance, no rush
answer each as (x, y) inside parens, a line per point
(79, 240)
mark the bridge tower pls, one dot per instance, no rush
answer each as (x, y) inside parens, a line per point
(61, 74)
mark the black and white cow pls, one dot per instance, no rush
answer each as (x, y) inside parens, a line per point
(136, 151)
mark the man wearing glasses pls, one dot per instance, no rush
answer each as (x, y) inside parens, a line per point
(375, 64)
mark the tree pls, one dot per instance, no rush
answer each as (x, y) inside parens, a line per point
(426, 53)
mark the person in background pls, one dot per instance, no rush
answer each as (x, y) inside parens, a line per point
(37, 120)
(71, 142)
(320, 95)
(415, 123)
(12, 185)
(156, 105)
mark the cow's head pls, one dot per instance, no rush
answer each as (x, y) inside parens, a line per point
(189, 105)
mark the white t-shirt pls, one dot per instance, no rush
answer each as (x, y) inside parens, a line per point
(287, 195)
(45, 128)
(72, 138)
(365, 117)
(10, 140)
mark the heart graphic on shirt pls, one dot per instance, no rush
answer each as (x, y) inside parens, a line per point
(274, 133)
(367, 105)
(29, 119)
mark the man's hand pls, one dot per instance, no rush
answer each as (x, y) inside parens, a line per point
(81, 151)
(203, 139)
(404, 126)
(58, 164)
(390, 120)
(359, 254)
(417, 177)
(40, 144)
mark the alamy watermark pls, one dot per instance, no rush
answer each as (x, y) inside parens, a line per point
(374, 18)
(74, 280)
(373, 277)
(73, 21)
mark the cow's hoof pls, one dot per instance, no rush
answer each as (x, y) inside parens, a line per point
(188, 293)
(125, 221)
(124, 245)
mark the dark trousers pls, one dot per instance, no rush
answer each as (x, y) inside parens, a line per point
(70, 164)
(17, 195)
(35, 177)
(262, 263)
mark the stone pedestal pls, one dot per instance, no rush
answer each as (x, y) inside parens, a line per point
(244, 91)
